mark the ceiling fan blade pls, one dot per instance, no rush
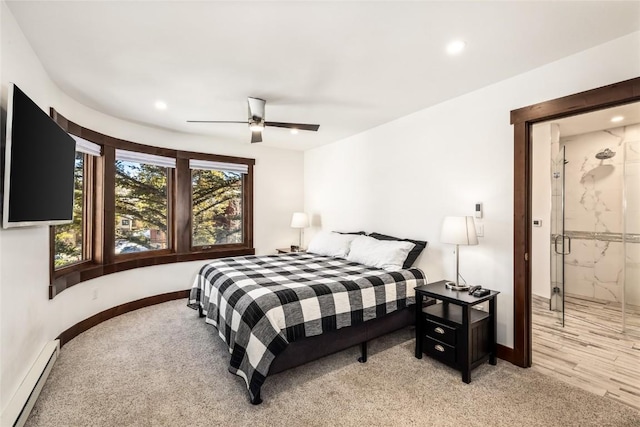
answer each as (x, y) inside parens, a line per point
(299, 126)
(215, 121)
(256, 109)
(256, 136)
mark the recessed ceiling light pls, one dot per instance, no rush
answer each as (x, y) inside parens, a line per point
(455, 47)
(161, 105)
(617, 119)
(294, 131)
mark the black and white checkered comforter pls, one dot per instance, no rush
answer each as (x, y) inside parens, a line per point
(259, 304)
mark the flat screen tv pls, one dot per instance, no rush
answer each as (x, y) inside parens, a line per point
(39, 161)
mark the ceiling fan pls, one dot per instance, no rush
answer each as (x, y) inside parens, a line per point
(257, 122)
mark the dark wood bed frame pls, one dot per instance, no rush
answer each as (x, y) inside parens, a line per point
(308, 349)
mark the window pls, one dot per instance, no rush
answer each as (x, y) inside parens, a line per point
(69, 245)
(71, 242)
(216, 206)
(142, 204)
(139, 206)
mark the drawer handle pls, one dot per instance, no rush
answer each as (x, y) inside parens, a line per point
(439, 330)
(439, 347)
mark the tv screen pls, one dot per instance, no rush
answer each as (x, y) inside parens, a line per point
(39, 166)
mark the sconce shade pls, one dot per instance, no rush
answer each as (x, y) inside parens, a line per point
(299, 220)
(459, 230)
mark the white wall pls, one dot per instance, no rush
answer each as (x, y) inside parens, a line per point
(403, 177)
(28, 319)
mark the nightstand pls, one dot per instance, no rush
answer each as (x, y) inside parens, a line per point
(453, 332)
(288, 251)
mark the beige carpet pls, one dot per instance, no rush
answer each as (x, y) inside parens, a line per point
(162, 366)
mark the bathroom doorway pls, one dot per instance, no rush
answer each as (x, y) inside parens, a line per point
(592, 238)
(585, 233)
(611, 367)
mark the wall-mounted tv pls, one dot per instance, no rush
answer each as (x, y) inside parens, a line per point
(39, 166)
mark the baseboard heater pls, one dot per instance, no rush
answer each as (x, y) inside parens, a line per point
(18, 409)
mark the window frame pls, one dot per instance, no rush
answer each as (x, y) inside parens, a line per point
(211, 246)
(87, 226)
(101, 219)
(170, 208)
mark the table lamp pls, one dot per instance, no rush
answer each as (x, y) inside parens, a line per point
(458, 230)
(299, 220)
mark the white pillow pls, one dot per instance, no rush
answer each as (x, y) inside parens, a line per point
(331, 244)
(385, 254)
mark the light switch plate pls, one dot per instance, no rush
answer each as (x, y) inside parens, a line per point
(480, 230)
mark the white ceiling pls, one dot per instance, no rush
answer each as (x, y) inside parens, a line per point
(348, 66)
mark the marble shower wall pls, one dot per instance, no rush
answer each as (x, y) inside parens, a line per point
(632, 225)
(594, 220)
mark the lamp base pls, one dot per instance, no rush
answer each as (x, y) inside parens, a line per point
(456, 287)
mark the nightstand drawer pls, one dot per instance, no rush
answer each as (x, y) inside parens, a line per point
(441, 351)
(441, 332)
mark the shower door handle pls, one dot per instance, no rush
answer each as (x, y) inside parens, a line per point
(555, 244)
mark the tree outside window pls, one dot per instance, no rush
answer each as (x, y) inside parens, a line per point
(149, 205)
(216, 207)
(69, 238)
(141, 207)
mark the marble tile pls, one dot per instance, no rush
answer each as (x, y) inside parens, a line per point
(578, 218)
(608, 262)
(632, 184)
(632, 274)
(582, 253)
(608, 221)
(593, 203)
(555, 137)
(556, 267)
(607, 291)
(556, 214)
(632, 135)
(608, 188)
(556, 184)
(633, 152)
(579, 280)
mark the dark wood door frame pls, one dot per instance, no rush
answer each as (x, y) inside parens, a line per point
(522, 119)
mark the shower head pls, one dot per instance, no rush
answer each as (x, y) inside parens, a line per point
(605, 154)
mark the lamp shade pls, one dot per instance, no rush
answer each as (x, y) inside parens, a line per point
(459, 230)
(299, 220)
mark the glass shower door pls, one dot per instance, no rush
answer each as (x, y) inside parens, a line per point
(560, 246)
(631, 239)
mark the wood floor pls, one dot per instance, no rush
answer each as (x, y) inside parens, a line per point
(584, 353)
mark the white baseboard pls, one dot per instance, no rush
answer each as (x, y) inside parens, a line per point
(18, 409)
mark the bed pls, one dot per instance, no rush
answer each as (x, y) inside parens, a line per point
(280, 311)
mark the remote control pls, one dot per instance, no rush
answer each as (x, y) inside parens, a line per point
(474, 288)
(481, 293)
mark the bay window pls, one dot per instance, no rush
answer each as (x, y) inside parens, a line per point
(138, 206)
